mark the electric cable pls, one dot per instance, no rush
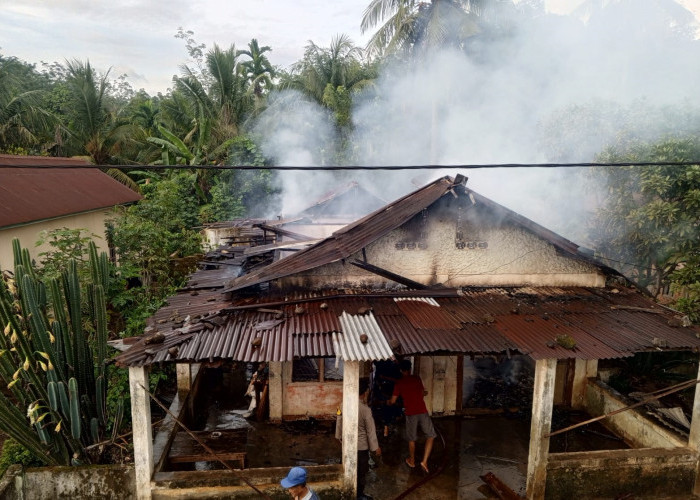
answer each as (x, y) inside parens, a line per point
(466, 166)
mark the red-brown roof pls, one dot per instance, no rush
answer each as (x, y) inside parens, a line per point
(31, 193)
(603, 323)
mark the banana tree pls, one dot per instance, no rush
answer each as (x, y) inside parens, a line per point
(53, 354)
(174, 151)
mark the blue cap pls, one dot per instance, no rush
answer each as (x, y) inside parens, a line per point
(296, 476)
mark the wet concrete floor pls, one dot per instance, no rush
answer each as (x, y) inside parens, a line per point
(467, 447)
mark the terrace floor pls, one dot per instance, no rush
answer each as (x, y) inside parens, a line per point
(468, 447)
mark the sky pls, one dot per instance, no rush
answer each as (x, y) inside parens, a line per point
(555, 90)
(137, 37)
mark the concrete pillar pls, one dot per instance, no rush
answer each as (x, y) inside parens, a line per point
(425, 372)
(351, 404)
(694, 434)
(142, 432)
(184, 378)
(542, 403)
(452, 385)
(437, 395)
(583, 370)
(275, 390)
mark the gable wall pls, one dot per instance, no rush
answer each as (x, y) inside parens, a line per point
(511, 257)
(28, 234)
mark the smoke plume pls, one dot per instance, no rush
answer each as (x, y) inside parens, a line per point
(537, 88)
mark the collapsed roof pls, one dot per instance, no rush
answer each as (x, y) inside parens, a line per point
(207, 321)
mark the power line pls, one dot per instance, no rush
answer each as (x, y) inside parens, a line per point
(466, 166)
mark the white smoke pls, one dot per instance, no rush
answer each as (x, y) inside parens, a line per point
(296, 132)
(553, 88)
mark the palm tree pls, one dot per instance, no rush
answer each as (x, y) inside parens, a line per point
(23, 120)
(408, 24)
(204, 114)
(258, 70)
(339, 65)
(331, 76)
(94, 126)
(220, 93)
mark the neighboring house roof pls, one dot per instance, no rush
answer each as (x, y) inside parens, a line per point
(602, 323)
(349, 200)
(29, 193)
(353, 237)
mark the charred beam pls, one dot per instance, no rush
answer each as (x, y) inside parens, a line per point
(500, 488)
(389, 275)
(287, 245)
(283, 232)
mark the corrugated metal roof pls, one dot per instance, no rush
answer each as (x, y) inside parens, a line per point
(603, 323)
(32, 194)
(348, 345)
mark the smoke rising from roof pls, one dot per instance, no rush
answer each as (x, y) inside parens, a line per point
(548, 88)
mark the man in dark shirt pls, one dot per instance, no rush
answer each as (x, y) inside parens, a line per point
(410, 388)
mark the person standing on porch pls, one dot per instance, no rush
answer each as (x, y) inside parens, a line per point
(366, 439)
(410, 388)
(295, 484)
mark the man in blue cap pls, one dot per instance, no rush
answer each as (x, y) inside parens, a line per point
(295, 483)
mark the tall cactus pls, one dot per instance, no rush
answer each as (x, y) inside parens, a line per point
(53, 350)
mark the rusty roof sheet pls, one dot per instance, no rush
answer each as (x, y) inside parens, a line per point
(603, 323)
(32, 194)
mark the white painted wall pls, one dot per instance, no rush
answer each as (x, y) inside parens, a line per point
(513, 257)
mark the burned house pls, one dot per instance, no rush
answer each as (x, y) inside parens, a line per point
(440, 274)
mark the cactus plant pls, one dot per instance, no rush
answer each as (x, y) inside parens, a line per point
(53, 350)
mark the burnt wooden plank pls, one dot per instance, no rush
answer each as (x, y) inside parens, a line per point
(499, 487)
(284, 232)
(388, 274)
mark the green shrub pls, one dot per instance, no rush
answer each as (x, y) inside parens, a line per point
(15, 453)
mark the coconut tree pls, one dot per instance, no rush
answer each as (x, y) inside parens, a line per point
(23, 119)
(407, 24)
(258, 70)
(339, 64)
(94, 125)
(204, 113)
(331, 76)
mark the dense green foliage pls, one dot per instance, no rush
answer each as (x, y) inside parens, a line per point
(650, 222)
